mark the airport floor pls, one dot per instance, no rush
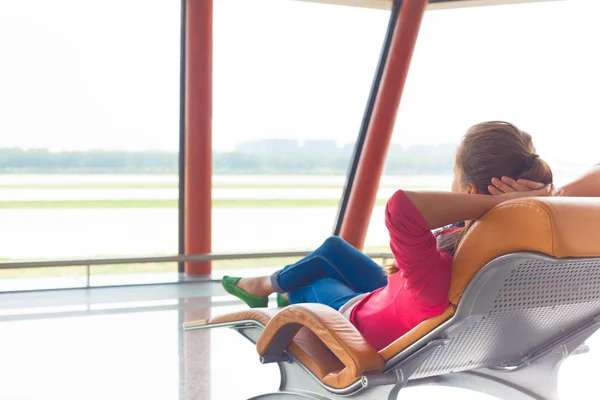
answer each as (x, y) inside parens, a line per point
(127, 343)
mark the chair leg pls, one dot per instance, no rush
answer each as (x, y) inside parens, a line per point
(297, 383)
(536, 381)
(287, 396)
(475, 382)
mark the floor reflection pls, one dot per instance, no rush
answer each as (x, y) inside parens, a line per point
(107, 349)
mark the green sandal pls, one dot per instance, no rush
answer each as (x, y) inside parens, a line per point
(230, 285)
(282, 301)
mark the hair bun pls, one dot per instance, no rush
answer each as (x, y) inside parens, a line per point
(531, 159)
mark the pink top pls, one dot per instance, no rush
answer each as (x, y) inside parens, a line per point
(419, 290)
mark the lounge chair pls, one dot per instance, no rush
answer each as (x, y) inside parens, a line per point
(525, 294)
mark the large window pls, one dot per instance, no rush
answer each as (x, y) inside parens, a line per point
(531, 64)
(291, 82)
(90, 118)
(507, 62)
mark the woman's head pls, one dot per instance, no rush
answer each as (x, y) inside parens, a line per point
(488, 150)
(496, 149)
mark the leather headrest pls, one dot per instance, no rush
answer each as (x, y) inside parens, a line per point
(557, 226)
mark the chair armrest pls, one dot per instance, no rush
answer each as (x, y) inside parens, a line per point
(336, 332)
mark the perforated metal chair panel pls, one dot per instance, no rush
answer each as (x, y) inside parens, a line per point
(513, 309)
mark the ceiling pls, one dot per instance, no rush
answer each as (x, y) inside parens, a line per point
(433, 4)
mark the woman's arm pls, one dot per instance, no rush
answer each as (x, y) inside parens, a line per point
(587, 185)
(444, 208)
(410, 217)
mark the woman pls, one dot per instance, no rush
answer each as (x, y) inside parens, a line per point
(385, 303)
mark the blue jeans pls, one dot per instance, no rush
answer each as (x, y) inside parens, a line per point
(332, 274)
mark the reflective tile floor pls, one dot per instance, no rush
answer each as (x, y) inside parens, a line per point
(127, 343)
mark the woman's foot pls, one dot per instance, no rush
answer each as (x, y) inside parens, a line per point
(250, 290)
(282, 300)
(258, 286)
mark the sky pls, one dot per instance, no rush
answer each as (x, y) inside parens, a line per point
(90, 74)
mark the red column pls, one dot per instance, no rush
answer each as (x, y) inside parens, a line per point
(198, 132)
(370, 167)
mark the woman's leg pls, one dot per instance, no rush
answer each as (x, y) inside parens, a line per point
(328, 291)
(337, 259)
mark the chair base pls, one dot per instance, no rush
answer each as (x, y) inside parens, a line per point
(528, 373)
(297, 383)
(536, 379)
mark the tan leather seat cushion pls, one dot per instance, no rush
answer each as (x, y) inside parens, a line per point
(416, 333)
(557, 226)
(306, 346)
(336, 332)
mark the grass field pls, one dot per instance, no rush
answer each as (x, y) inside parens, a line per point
(165, 185)
(216, 185)
(217, 203)
(37, 201)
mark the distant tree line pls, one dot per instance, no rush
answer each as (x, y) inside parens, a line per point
(43, 160)
(414, 160)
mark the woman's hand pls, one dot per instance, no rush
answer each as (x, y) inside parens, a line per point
(525, 191)
(508, 185)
